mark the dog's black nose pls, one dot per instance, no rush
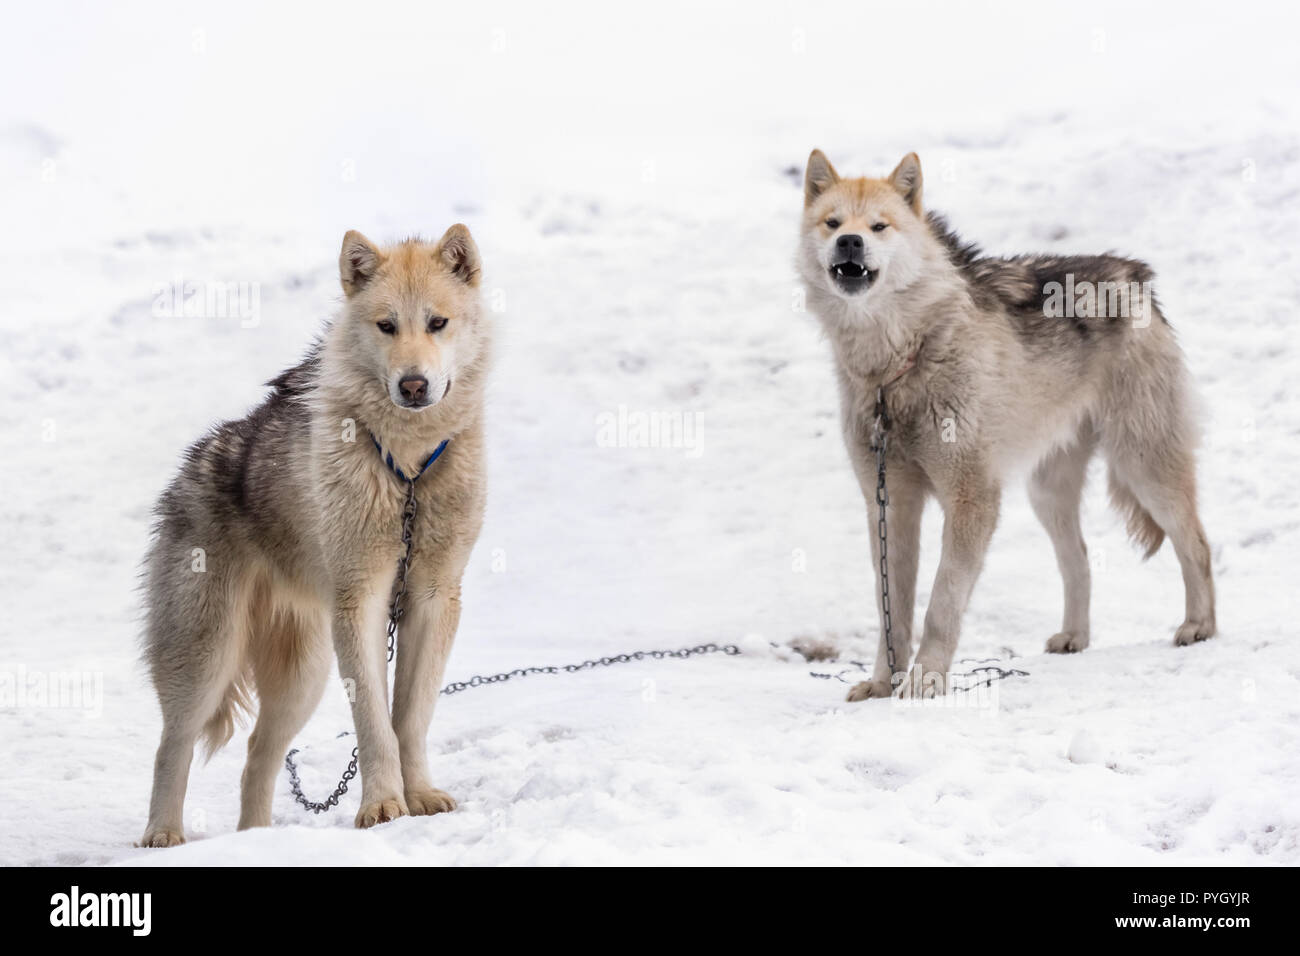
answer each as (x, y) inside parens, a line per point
(850, 243)
(415, 388)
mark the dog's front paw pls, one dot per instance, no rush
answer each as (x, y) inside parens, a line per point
(1067, 642)
(1192, 631)
(162, 837)
(380, 811)
(923, 684)
(869, 690)
(428, 802)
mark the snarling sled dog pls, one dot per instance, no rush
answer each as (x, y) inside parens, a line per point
(285, 528)
(989, 366)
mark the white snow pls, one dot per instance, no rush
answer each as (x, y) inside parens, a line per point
(626, 178)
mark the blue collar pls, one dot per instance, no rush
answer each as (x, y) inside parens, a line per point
(387, 458)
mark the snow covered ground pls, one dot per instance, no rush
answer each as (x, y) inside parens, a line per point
(632, 180)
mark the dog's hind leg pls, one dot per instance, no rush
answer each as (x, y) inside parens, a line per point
(1163, 481)
(195, 648)
(1055, 490)
(1149, 437)
(290, 653)
(1193, 550)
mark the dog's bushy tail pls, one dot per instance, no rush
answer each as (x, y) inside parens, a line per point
(1142, 528)
(235, 704)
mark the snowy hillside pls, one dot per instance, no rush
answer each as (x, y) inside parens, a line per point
(633, 183)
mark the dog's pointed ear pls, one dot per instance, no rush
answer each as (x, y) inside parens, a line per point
(819, 177)
(459, 254)
(906, 178)
(358, 262)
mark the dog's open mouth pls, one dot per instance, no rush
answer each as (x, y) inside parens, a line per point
(853, 276)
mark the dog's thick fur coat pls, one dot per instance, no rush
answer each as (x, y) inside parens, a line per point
(981, 379)
(284, 529)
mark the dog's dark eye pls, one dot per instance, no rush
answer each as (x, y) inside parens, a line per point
(832, 223)
(386, 327)
(879, 226)
(437, 323)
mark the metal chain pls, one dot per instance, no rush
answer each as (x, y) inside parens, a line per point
(295, 785)
(455, 687)
(395, 609)
(989, 673)
(879, 438)
(482, 680)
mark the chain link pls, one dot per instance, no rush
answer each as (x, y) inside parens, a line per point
(295, 785)
(456, 687)
(395, 609)
(988, 673)
(482, 680)
(879, 438)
